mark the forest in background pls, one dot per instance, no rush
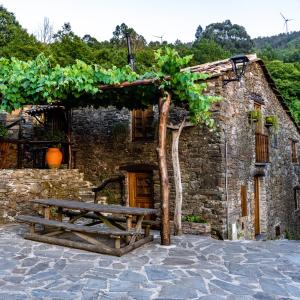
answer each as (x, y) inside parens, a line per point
(281, 53)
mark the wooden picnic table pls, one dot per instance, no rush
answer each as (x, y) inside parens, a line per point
(69, 215)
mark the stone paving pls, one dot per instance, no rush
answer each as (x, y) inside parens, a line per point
(192, 268)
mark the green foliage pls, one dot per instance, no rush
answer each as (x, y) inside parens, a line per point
(255, 115)
(56, 137)
(193, 219)
(14, 40)
(232, 37)
(272, 121)
(37, 82)
(68, 47)
(186, 86)
(284, 47)
(3, 131)
(290, 235)
(206, 50)
(287, 79)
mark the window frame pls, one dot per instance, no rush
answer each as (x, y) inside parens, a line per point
(296, 198)
(145, 125)
(244, 204)
(294, 152)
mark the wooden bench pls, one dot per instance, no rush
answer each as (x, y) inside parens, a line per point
(125, 238)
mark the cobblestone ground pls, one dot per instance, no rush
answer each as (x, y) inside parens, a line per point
(192, 268)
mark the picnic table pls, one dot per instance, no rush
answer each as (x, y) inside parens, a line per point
(121, 224)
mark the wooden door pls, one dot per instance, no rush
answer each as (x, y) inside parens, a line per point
(140, 189)
(256, 205)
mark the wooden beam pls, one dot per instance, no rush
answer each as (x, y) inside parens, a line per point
(71, 244)
(127, 84)
(137, 244)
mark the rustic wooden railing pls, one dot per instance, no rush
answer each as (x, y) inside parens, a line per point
(119, 179)
(262, 148)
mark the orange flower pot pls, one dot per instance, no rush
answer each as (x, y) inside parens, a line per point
(54, 158)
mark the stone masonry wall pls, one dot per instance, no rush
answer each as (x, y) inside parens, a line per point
(103, 142)
(281, 175)
(18, 187)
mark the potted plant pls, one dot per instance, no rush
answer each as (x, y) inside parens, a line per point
(272, 121)
(254, 115)
(3, 131)
(54, 155)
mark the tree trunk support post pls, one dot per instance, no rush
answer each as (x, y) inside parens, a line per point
(164, 108)
(177, 178)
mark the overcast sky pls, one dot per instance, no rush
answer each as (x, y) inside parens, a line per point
(177, 19)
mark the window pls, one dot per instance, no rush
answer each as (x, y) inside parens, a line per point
(275, 141)
(261, 148)
(294, 152)
(244, 201)
(297, 197)
(142, 124)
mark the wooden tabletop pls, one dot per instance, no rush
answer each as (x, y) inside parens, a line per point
(117, 209)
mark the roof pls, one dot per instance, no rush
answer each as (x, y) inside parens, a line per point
(221, 67)
(39, 109)
(217, 68)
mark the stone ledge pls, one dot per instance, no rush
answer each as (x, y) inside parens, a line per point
(193, 228)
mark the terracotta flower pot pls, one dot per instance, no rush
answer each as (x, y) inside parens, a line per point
(54, 158)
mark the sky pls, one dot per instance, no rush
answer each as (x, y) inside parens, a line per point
(177, 19)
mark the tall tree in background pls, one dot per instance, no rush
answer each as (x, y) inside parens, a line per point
(14, 40)
(45, 32)
(206, 50)
(67, 47)
(119, 37)
(287, 79)
(199, 32)
(231, 37)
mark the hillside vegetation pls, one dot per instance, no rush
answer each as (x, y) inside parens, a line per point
(281, 53)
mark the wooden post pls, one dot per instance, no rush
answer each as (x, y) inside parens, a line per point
(177, 179)
(164, 108)
(69, 122)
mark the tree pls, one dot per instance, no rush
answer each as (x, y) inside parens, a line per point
(14, 40)
(287, 79)
(199, 32)
(45, 32)
(208, 50)
(119, 37)
(68, 47)
(231, 37)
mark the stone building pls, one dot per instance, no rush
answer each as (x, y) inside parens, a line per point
(243, 177)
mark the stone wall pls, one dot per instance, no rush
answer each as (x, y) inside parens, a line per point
(18, 187)
(103, 142)
(280, 175)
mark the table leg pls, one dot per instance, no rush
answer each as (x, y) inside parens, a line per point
(128, 227)
(47, 213)
(59, 214)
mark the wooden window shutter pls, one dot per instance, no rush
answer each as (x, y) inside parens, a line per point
(142, 124)
(244, 201)
(296, 196)
(294, 152)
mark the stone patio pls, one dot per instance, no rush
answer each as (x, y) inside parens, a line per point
(193, 267)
